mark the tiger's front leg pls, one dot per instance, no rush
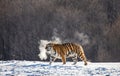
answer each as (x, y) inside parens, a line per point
(63, 59)
(52, 59)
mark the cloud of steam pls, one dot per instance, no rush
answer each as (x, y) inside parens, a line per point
(42, 44)
(81, 37)
(55, 37)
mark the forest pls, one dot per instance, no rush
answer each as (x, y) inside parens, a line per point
(95, 24)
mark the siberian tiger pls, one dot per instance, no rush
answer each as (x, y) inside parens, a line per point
(65, 50)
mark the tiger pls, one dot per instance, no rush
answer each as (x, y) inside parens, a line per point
(65, 50)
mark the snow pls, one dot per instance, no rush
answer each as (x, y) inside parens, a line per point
(38, 68)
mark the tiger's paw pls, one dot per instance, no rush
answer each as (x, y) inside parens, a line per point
(64, 63)
(85, 63)
(74, 63)
(50, 63)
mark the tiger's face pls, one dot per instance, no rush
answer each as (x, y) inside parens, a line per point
(49, 48)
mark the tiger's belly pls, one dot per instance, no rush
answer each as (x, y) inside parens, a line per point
(56, 55)
(68, 55)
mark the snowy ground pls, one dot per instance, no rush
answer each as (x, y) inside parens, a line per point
(37, 68)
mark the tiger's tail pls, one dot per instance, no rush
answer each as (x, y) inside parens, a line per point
(82, 55)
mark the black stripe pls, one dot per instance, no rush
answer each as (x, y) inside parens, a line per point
(71, 46)
(67, 47)
(62, 50)
(75, 48)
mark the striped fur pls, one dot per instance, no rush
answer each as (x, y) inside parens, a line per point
(66, 50)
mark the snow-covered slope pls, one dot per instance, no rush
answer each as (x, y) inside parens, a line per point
(37, 68)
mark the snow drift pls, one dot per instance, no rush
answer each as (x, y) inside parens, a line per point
(37, 68)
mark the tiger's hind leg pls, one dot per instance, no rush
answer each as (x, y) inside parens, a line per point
(83, 58)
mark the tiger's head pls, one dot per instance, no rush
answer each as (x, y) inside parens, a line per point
(49, 47)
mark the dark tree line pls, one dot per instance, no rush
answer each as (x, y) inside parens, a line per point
(24, 22)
